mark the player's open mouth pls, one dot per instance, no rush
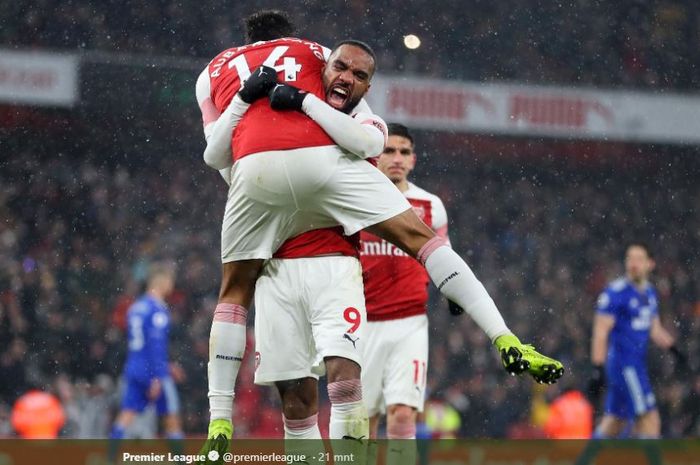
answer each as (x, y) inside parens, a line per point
(338, 95)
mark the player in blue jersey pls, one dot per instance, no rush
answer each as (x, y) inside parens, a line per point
(147, 370)
(626, 318)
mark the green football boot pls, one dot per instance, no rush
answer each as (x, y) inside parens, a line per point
(518, 358)
(216, 445)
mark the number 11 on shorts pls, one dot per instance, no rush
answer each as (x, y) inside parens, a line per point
(419, 373)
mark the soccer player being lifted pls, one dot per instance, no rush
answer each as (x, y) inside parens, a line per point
(309, 313)
(290, 175)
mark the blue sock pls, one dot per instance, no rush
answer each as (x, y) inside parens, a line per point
(117, 432)
(175, 442)
(176, 436)
(115, 436)
(599, 435)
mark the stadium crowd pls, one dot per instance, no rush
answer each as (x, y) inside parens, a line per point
(80, 225)
(579, 42)
(85, 207)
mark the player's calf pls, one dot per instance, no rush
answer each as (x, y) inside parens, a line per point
(648, 425)
(299, 397)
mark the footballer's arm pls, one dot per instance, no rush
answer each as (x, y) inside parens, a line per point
(363, 134)
(602, 325)
(659, 335)
(218, 127)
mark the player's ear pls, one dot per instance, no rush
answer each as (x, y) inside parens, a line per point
(652, 264)
(413, 159)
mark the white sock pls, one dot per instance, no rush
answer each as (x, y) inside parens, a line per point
(401, 447)
(226, 347)
(349, 421)
(457, 282)
(302, 429)
(303, 451)
(348, 413)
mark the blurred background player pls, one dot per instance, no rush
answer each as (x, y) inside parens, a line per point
(147, 372)
(627, 316)
(396, 294)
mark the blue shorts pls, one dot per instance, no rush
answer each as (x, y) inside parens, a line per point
(136, 396)
(629, 392)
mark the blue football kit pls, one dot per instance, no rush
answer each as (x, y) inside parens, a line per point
(148, 321)
(629, 392)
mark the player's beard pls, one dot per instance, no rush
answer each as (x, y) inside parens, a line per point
(349, 104)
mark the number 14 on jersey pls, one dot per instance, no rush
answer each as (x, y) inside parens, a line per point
(289, 65)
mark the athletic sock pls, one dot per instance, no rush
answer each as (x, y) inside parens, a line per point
(349, 421)
(457, 282)
(401, 447)
(175, 442)
(348, 413)
(115, 436)
(306, 428)
(302, 440)
(226, 347)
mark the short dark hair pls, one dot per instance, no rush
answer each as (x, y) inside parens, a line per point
(641, 244)
(398, 129)
(358, 43)
(268, 25)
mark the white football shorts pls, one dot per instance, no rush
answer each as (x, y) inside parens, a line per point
(280, 194)
(395, 356)
(307, 309)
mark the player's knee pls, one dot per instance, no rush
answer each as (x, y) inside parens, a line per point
(238, 281)
(401, 414)
(341, 369)
(297, 408)
(401, 422)
(299, 397)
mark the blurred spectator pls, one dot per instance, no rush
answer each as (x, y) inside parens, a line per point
(37, 415)
(627, 42)
(570, 417)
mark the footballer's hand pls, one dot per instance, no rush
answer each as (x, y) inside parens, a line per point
(261, 80)
(286, 97)
(216, 445)
(455, 309)
(518, 358)
(679, 355)
(154, 389)
(596, 385)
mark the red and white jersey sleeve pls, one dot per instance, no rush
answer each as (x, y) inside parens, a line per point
(299, 63)
(396, 285)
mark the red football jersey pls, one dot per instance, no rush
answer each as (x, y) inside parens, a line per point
(299, 63)
(328, 241)
(396, 285)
